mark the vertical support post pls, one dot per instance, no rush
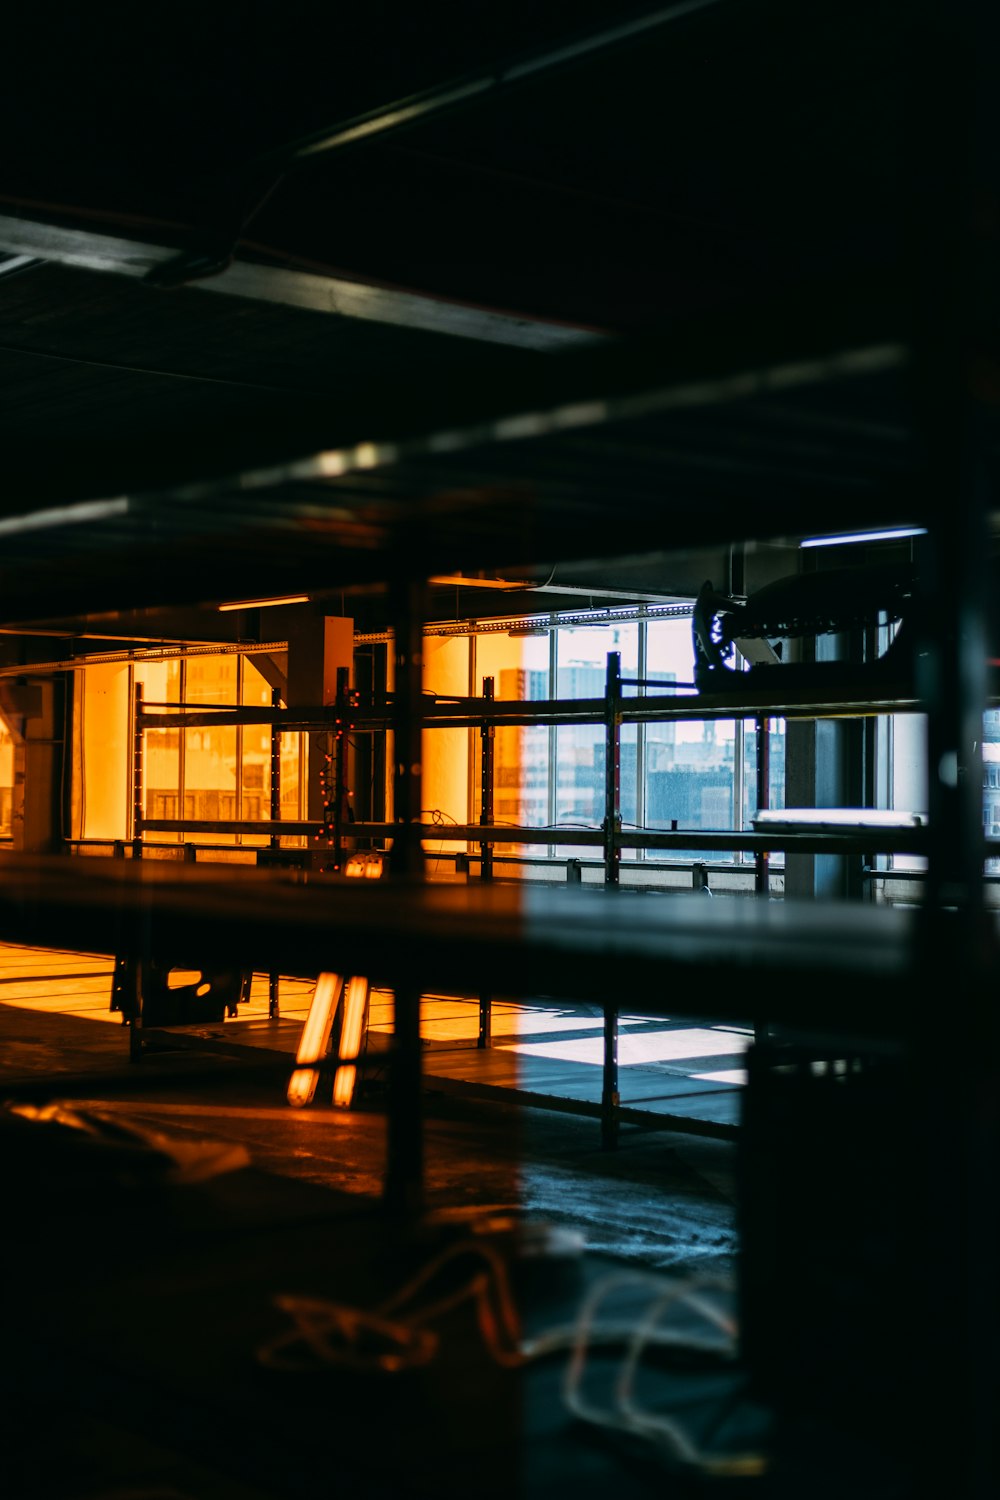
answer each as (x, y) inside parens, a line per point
(487, 740)
(119, 977)
(238, 810)
(610, 1099)
(640, 731)
(182, 740)
(131, 995)
(273, 1000)
(339, 767)
(407, 857)
(487, 737)
(612, 769)
(404, 1185)
(119, 982)
(762, 858)
(953, 1138)
(137, 770)
(275, 807)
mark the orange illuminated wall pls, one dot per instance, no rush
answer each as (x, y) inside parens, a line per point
(445, 752)
(102, 751)
(203, 773)
(6, 781)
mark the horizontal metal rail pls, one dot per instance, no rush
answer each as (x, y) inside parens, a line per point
(471, 713)
(828, 841)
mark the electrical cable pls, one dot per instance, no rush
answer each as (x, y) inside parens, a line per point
(658, 1427)
(440, 819)
(626, 1418)
(334, 1334)
(327, 1334)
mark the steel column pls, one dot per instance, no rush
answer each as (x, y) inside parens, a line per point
(137, 771)
(953, 1146)
(487, 738)
(407, 858)
(612, 768)
(404, 1185)
(762, 726)
(610, 1097)
(762, 858)
(273, 997)
(340, 766)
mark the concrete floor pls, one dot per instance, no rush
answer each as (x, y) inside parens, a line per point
(111, 1296)
(662, 1199)
(171, 1291)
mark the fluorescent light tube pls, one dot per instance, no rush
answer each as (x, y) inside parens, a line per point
(895, 534)
(265, 603)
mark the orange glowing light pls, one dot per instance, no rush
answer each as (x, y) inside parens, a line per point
(355, 1006)
(315, 1039)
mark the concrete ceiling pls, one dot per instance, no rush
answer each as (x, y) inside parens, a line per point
(297, 299)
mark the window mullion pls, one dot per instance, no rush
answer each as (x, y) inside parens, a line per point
(552, 787)
(640, 745)
(239, 748)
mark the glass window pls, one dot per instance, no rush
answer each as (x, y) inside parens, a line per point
(688, 774)
(445, 752)
(210, 781)
(905, 737)
(689, 763)
(205, 773)
(161, 684)
(519, 667)
(776, 769)
(254, 752)
(582, 664)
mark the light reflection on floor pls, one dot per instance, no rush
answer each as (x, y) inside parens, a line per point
(80, 985)
(661, 1199)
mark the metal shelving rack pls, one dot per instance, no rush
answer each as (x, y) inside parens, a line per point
(349, 714)
(612, 711)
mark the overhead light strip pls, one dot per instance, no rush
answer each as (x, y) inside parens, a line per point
(265, 603)
(847, 538)
(65, 515)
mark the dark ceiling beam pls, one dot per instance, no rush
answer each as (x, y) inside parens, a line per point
(213, 248)
(429, 103)
(34, 239)
(587, 415)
